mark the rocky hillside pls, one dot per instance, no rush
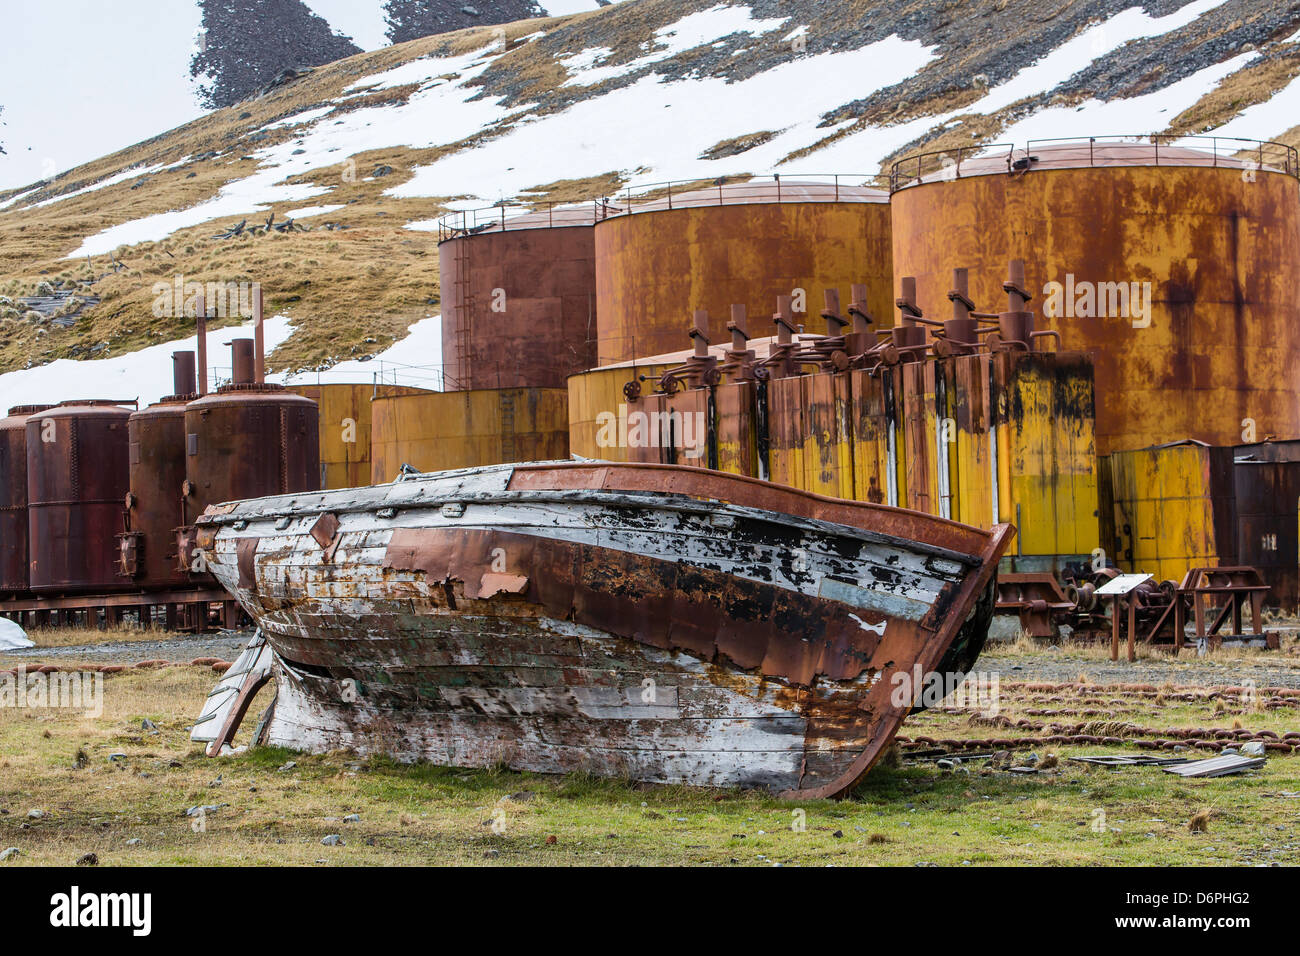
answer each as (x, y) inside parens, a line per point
(412, 19)
(363, 153)
(244, 45)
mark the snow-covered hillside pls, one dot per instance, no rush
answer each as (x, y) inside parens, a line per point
(82, 78)
(369, 150)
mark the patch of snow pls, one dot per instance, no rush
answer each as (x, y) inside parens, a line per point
(256, 193)
(665, 126)
(691, 31)
(424, 225)
(415, 360)
(146, 374)
(13, 637)
(1092, 44)
(437, 115)
(1135, 114)
(132, 173)
(18, 197)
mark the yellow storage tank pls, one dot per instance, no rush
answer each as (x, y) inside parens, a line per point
(345, 428)
(597, 403)
(1173, 508)
(1172, 267)
(686, 248)
(441, 430)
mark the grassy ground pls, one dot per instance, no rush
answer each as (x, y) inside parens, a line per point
(105, 782)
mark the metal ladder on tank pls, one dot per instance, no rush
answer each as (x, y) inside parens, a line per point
(508, 425)
(464, 305)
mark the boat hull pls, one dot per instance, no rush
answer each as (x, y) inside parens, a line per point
(554, 618)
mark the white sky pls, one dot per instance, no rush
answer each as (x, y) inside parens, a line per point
(82, 78)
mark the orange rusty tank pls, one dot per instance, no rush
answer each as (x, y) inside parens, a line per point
(518, 298)
(1172, 267)
(659, 259)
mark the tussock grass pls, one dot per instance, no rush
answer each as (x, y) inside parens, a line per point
(269, 812)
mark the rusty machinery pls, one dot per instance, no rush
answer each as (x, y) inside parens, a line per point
(1142, 609)
(850, 342)
(111, 490)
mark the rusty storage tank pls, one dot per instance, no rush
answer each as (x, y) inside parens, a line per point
(442, 430)
(14, 557)
(1266, 480)
(248, 439)
(682, 248)
(77, 480)
(345, 428)
(155, 505)
(518, 297)
(1211, 234)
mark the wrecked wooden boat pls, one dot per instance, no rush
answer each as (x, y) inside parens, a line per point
(655, 622)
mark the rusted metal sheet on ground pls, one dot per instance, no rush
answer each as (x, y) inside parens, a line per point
(518, 307)
(1218, 248)
(667, 623)
(77, 480)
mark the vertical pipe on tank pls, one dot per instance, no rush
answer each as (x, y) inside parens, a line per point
(259, 343)
(183, 373)
(201, 319)
(907, 301)
(243, 365)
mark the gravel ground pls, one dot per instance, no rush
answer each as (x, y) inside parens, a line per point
(1058, 667)
(225, 645)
